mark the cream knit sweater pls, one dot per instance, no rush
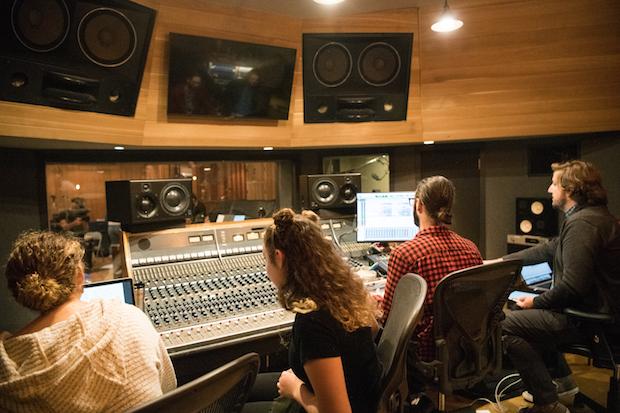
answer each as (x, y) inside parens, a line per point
(106, 358)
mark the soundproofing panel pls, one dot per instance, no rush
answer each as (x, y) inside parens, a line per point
(536, 216)
(139, 204)
(356, 77)
(74, 54)
(330, 191)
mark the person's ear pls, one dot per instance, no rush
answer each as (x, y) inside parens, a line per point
(419, 206)
(279, 258)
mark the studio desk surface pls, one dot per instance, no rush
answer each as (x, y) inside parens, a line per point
(205, 285)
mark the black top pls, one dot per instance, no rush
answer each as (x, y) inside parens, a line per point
(319, 335)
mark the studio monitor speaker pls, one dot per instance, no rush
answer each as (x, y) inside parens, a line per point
(329, 191)
(139, 203)
(536, 216)
(356, 77)
(76, 54)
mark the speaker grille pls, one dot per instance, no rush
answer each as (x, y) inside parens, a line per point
(332, 64)
(379, 64)
(40, 25)
(325, 191)
(107, 37)
(175, 199)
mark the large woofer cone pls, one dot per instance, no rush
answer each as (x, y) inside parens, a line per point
(146, 205)
(379, 64)
(325, 191)
(107, 37)
(175, 199)
(332, 64)
(348, 193)
(40, 25)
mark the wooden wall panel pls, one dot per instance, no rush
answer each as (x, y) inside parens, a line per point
(517, 68)
(521, 67)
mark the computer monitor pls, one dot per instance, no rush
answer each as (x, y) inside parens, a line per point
(120, 289)
(385, 216)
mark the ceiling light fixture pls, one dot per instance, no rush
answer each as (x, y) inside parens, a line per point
(447, 22)
(328, 2)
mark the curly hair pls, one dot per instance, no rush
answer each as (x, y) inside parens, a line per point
(316, 275)
(41, 268)
(582, 181)
(437, 195)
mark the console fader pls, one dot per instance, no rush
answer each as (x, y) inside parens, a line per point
(205, 285)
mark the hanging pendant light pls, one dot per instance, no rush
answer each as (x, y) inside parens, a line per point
(447, 22)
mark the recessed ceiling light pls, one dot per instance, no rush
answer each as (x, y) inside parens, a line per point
(328, 2)
(119, 148)
(268, 148)
(429, 142)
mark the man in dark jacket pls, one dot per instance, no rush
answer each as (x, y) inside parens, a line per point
(585, 264)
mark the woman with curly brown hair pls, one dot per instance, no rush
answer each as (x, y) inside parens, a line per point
(334, 365)
(76, 356)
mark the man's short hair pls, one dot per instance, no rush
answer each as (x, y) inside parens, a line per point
(582, 181)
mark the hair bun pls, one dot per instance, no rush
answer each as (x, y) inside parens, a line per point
(39, 293)
(283, 218)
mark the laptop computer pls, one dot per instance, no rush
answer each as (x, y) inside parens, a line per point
(537, 277)
(120, 289)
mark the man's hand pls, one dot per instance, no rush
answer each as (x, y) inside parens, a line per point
(525, 302)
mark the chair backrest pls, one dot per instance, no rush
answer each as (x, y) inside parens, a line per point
(223, 390)
(404, 315)
(467, 308)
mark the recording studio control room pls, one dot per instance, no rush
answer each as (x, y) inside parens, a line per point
(310, 206)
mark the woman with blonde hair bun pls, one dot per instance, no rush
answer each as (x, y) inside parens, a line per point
(333, 360)
(87, 356)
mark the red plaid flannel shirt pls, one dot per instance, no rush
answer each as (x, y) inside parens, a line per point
(433, 253)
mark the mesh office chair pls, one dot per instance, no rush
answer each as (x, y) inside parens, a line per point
(468, 308)
(223, 390)
(392, 348)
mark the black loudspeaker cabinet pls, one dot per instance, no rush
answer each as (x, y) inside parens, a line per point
(76, 54)
(138, 204)
(536, 216)
(330, 191)
(356, 77)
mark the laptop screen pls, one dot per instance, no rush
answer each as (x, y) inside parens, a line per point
(536, 274)
(120, 289)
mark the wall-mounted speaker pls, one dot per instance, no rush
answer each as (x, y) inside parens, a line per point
(330, 191)
(356, 77)
(138, 204)
(536, 216)
(76, 54)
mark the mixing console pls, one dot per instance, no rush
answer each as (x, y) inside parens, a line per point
(205, 285)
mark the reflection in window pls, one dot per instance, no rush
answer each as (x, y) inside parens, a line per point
(375, 169)
(239, 188)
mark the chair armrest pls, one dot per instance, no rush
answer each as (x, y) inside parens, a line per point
(585, 316)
